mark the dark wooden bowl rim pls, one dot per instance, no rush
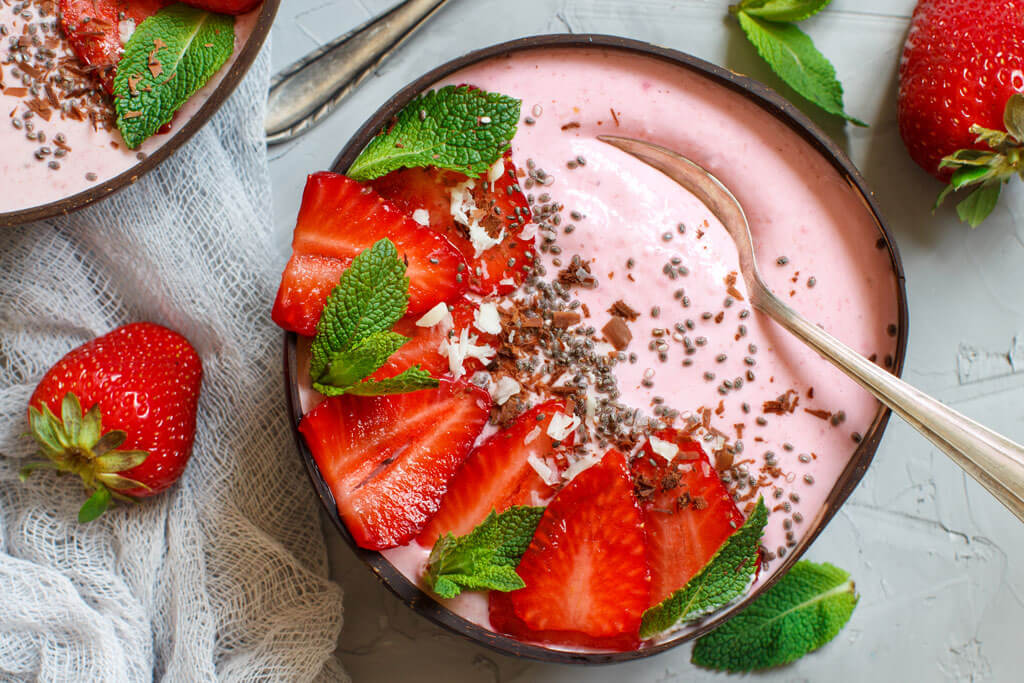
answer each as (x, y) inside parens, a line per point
(223, 90)
(781, 109)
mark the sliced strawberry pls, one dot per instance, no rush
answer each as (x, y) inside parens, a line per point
(585, 571)
(337, 220)
(688, 513)
(430, 189)
(498, 475)
(306, 283)
(422, 347)
(93, 31)
(388, 459)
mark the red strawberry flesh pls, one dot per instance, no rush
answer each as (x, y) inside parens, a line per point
(430, 189)
(688, 513)
(498, 475)
(388, 459)
(93, 30)
(422, 347)
(586, 575)
(338, 219)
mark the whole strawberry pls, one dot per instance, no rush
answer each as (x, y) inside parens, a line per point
(962, 63)
(140, 383)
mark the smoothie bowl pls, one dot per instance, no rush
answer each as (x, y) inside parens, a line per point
(95, 93)
(601, 421)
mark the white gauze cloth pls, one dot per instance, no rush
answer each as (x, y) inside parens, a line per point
(224, 576)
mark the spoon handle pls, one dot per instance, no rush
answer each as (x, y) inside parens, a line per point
(997, 463)
(307, 91)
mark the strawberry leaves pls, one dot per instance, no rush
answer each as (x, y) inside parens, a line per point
(95, 506)
(75, 443)
(354, 339)
(790, 52)
(985, 171)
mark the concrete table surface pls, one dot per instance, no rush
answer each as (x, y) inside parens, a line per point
(938, 563)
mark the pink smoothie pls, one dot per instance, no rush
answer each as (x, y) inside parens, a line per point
(93, 155)
(815, 237)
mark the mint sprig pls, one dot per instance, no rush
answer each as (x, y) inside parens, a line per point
(486, 558)
(457, 127)
(783, 10)
(354, 338)
(805, 610)
(790, 52)
(170, 56)
(726, 575)
(411, 379)
(985, 171)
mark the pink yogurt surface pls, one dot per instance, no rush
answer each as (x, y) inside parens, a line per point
(28, 182)
(799, 208)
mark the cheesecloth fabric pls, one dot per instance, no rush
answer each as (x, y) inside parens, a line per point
(223, 577)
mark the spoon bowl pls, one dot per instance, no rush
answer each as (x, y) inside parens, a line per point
(996, 462)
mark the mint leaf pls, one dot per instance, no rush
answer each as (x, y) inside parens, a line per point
(457, 127)
(791, 54)
(348, 366)
(781, 10)
(726, 575)
(371, 295)
(979, 203)
(799, 614)
(170, 56)
(411, 379)
(353, 338)
(485, 558)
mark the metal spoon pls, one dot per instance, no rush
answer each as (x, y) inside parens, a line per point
(996, 462)
(308, 90)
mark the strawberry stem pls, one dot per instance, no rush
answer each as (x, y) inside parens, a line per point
(95, 506)
(75, 443)
(985, 171)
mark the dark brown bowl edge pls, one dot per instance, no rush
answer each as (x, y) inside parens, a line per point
(782, 110)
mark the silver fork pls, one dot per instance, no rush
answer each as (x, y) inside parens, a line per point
(308, 90)
(997, 463)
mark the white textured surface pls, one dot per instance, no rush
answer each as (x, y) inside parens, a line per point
(938, 563)
(217, 578)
